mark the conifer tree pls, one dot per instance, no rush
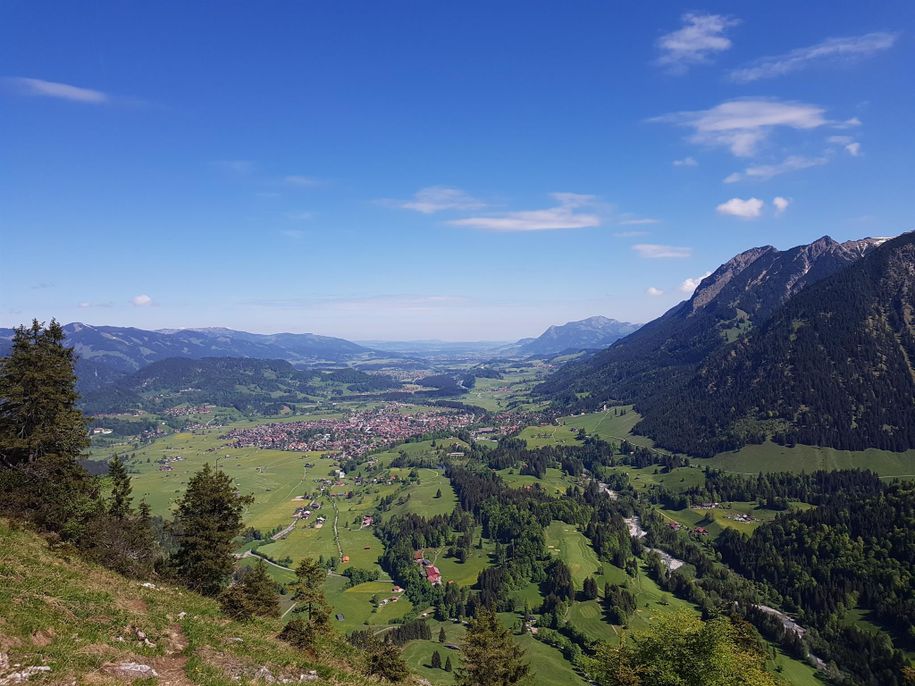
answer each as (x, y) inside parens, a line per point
(490, 655)
(38, 413)
(311, 608)
(436, 660)
(448, 667)
(441, 635)
(119, 506)
(208, 518)
(255, 594)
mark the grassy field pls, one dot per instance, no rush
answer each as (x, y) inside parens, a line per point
(570, 545)
(553, 482)
(771, 457)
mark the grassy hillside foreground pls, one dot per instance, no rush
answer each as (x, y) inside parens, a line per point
(85, 624)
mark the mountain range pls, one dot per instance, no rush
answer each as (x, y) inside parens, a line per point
(796, 345)
(108, 353)
(592, 333)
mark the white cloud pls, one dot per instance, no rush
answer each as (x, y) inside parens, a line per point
(85, 305)
(655, 251)
(686, 162)
(700, 37)
(439, 198)
(780, 204)
(564, 215)
(845, 49)
(853, 149)
(751, 208)
(301, 181)
(763, 172)
(141, 300)
(638, 221)
(691, 284)
(62, 91)
(629, 234)
(741, 125)
(654, 292)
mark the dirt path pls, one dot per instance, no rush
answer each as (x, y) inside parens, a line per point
(251, 553)
(336, 532)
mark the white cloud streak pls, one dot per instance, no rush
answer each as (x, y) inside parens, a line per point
(686, 162)
(60, 91)
(654, 292)
(565, 215)
(700, 37)
(780, 204)
(764, 172)
(141, 300)
(654, 251)
(751, 208)
(831, 50)
(440, 198)
(741, 125)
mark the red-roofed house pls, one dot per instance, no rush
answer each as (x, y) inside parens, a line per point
(433, 576)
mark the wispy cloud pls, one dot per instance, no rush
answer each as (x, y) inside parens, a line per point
(741, 125)
(655, 251)
(780, 204)
(700, 37)
(763, 172)
(690, 284)
(565, 214)
(434, 199)
(627, 220)
(141, 300)
(831, 50)
(686, 162)
(751, 208)
(654, 292)
(629, 234)
(847, 143)
(55, 89)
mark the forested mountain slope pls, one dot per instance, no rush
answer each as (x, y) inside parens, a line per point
(245, 383)
(656, 365)
(833, 366)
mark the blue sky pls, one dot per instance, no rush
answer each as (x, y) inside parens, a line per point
(460, 171)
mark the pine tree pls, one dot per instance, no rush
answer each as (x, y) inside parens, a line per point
(438, 493)
(119, 506)
(386, 661)
(436, 660)
(38, 414)
(490, 656)
(448, 667)
(311, 608)
(42, 435)
(255, 594)
(208, 518)
(441, 635)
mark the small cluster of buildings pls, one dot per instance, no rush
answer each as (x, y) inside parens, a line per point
(431, 572)
(165, 462)
(185, 410)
